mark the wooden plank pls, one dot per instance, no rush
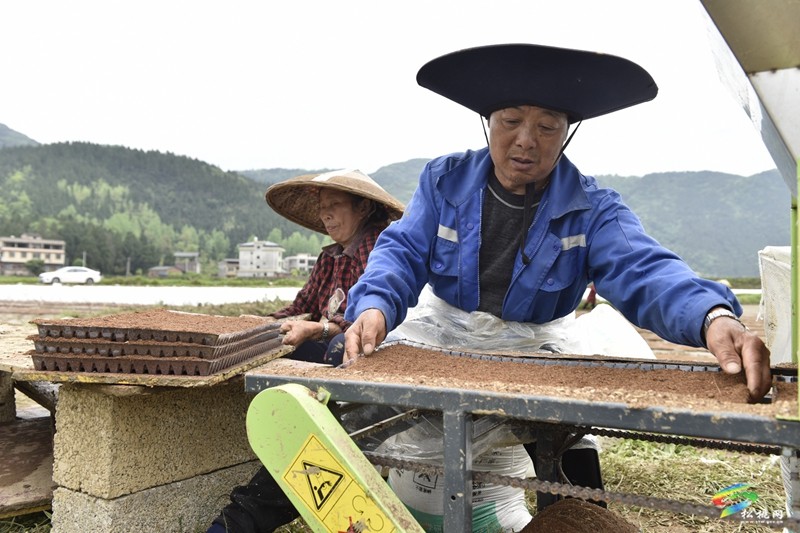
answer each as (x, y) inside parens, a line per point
(26, 466)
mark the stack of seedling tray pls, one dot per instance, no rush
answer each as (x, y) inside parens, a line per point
(157, 341)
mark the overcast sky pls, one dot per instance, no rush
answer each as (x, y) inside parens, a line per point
(331, 84)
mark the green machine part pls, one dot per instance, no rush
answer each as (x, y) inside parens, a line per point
(319, 467)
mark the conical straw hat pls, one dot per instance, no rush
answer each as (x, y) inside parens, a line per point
(297, 199)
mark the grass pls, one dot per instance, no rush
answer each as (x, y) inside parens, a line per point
(671, 471)
(749, 299)
(189, 280)
(214, 281)
(33, 523)
(262, 308)
(676, 472)
(690, 475)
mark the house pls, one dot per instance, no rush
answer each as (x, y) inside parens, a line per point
(188, 262)
(228, 268)
(301, 262)
(260, 259)
(16, 251)
(164, 271)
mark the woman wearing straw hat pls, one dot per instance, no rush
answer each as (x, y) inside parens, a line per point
(352, 209)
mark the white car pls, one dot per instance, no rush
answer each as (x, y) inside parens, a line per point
(71, 274)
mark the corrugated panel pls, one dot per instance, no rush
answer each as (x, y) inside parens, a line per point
(761, 66)
(762, 34)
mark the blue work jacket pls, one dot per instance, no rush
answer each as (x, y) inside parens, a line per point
(580, 233)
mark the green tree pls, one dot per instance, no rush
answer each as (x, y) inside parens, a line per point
(216, 246)
(295, 243)
(122, 223)
(188, 240)
(275, 235)
(16, 201)
(35, 266)
(148, 255)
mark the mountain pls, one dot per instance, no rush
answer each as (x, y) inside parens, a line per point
(399, 179)
(117, 203)
(9, 137)
(716, 222)
(268, 176)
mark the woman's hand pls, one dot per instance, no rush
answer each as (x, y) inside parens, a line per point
(296, 332)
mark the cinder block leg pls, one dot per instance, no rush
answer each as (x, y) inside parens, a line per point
(180, 507)
(137, 458)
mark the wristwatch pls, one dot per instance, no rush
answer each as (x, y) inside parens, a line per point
(325, 330)
(717, 313)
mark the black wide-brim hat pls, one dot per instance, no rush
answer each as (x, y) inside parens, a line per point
(576, 82)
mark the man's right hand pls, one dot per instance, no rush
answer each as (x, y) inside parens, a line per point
(364, 335)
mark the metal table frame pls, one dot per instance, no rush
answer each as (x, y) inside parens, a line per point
(458, 407)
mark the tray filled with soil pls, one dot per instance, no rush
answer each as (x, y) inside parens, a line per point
(153, 342)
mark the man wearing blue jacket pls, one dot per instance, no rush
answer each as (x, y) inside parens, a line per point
(517, 231)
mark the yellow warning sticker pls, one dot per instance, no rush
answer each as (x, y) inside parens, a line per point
(329, 491)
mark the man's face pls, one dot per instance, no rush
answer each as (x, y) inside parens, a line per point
(524, 143)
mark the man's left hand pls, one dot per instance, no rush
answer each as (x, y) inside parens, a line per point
(737, 348)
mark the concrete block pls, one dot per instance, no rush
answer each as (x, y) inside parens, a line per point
(8, 407)
(117, 440)
(182, 507)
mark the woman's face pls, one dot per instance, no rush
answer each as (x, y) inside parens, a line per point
(342, 214)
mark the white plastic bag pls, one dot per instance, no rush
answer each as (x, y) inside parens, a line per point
(603, 331)
(495, 508)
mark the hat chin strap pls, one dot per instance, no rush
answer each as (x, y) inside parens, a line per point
(483, 125)
(530, 193)
(564, 147)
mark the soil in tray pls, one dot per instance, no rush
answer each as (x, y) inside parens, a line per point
(157, 320)
(429, 367)
(108, 348)
(75, 346)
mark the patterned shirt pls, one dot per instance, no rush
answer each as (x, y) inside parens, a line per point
(336, 268)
